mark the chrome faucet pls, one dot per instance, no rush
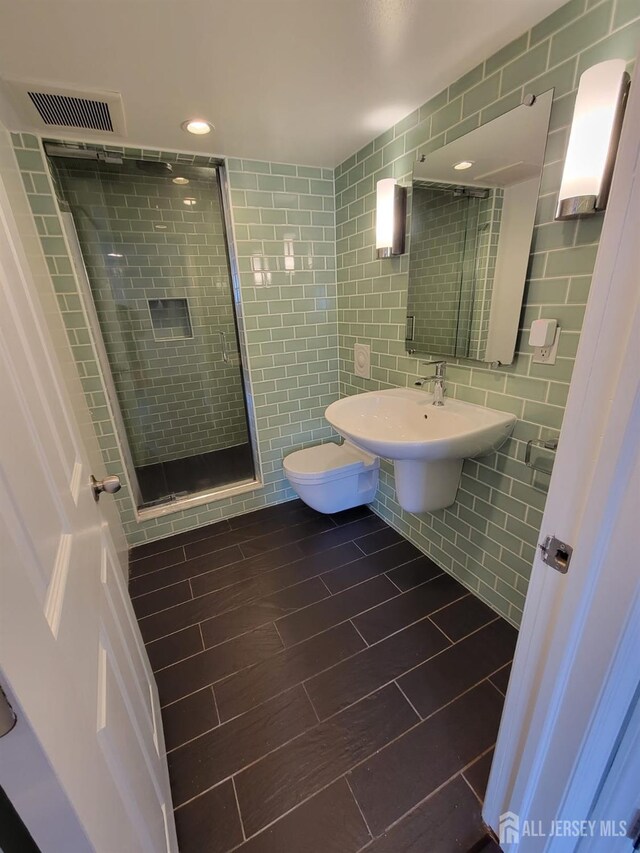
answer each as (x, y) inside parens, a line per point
(438, 377)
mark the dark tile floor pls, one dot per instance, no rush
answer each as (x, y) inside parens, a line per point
(325, 687)
(163, 480)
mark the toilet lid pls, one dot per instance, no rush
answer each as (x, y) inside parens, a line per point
(327, 461)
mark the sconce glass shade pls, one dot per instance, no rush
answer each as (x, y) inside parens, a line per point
(391, 211)
(593, 141)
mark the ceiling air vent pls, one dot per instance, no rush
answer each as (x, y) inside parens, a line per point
(63, 111)
(42, 105)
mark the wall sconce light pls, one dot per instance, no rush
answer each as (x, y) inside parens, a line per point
(391, 214)
(593, 141)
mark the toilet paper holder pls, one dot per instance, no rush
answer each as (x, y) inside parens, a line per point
(547, 444)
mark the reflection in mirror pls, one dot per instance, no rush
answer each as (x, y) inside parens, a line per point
(473, 206)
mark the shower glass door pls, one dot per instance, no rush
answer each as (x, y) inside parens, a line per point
(153, 244)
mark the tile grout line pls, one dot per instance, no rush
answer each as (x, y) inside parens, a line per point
(392, 580)
(306, 693)
(212, 683)
(258, 576)
(442, 631)
(235, 793)
(303, 684)
(420, 720)
(343, 776)
(366, 823)
(276, 568)
(237, 545)
(472, 789)
(415, 807)
(490, 677)
(326, 669)
(367, 610)
(133, 560)
(301, 539)
(395, 681)
(366, 644)
(324, 585)
(279, 637)
(470, 764)
(185, 563)
(375, 690)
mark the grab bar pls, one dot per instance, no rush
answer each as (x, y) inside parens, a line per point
(225, 354)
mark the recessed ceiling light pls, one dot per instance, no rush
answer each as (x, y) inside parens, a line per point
(463, 164)
(189, 201)
(161, 227)
(114, 255)
(181, 181)
(197, 126)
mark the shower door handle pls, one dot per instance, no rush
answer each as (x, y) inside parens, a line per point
(223, 341)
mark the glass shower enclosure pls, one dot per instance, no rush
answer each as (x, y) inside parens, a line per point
(150, 249)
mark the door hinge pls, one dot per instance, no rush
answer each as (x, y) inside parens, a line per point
(556, 554)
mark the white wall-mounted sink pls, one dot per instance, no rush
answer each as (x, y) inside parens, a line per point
(427, 443)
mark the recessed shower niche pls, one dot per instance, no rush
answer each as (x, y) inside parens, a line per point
(170, 319)
(151, 257)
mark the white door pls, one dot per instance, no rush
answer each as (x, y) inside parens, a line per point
(85, 764)
(577, 668)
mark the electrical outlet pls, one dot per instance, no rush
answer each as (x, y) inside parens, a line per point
(547, 355)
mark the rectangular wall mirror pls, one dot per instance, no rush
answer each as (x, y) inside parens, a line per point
(473, 205)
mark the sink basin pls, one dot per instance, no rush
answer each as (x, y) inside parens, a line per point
(427, 443)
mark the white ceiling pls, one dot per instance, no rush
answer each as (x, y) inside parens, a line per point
(298, 81)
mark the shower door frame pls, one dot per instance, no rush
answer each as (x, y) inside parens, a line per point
(97, 341)
(86, 297)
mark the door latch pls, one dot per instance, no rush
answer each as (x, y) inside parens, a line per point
(556, 554)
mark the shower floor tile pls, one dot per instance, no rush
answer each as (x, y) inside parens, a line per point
(326, 688)
(197, 473)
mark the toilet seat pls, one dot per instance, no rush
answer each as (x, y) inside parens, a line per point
(326, 462)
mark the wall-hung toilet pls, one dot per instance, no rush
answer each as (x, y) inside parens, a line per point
(332, 477)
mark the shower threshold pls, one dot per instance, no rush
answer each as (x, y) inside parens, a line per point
(179, 479)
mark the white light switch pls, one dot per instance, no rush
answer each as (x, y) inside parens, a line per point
(362, 360)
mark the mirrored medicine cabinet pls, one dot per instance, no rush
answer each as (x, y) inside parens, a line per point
(473, 205)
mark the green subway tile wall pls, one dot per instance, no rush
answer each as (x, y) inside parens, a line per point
(294, 225)
(487, 538)
(160, 283)
(285, 239)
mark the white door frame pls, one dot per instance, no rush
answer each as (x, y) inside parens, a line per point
(577, 664)
(620, 795)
